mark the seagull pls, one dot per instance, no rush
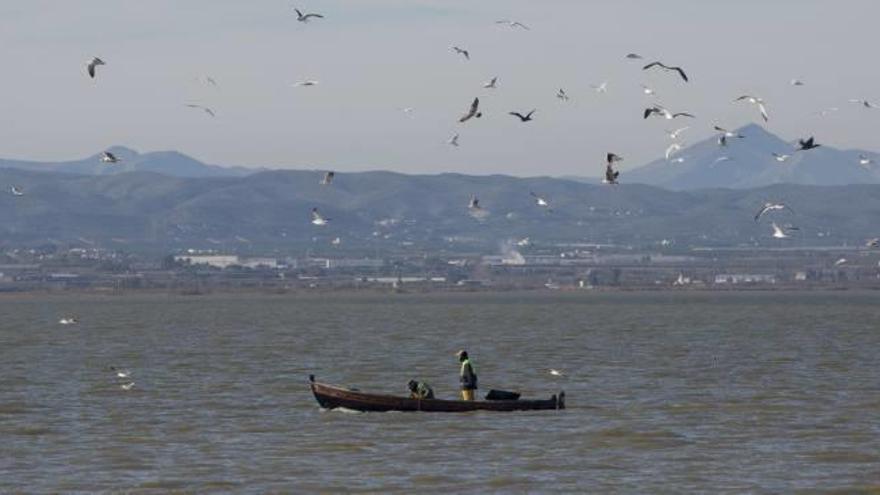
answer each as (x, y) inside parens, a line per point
(16, 191)
(513, 24)
(92, 64)
(336, 241)
(556, 372)
(865, 161)
(678, 159)
(108, 157)
(875, 242)
(67, 321)
(634, 56)
(674, 147)
(305, 17)
(127, 386)
(840, 262)
(462, 51)
(453, 140)
(778, 233)
(796, 82)
(864, 103)
(474, 203)
(807, 144)
(328, 178)
(539, 201)
(524, 242)
(781, 158)
(317, 219)
(768, 207)
(120, 373)
(562, 95)
(210, 80)
(306, 83)
(490, 84)
(611, 175)
(600, 88)
(523, 118)
(756, 101)
(674, 134)
(202, 108)
(658, 110)
(727, 133)
(667, 68)
(472, 112)
(647, 90)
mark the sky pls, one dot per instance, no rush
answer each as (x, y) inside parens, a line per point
(373, 58)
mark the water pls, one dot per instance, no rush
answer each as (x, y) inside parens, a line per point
(667, 392)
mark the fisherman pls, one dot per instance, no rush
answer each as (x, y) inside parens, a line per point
(420, 390)
(468, 376)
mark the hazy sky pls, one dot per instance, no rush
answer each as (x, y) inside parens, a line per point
(375, 57)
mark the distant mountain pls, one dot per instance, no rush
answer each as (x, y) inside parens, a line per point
(170, 163)
(750, 163)
(381, 212)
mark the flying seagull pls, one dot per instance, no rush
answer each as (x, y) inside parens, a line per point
(648, 90)
(840, 262)
(108, 157)
(453, 141)
(659, 110)
(491, 83)
(674, 134)
(127, 386)
(540, 201)
(673, 148)
(202, 108)
(305, 17)
(600, 88)
(522, 118)
(667, 68)
(556, 372)
(864, 103)
(781, 157)
(634, 56)
(754, 100)
(120, 373)
(778, 233)
(611, 175)
(807, 144)
(462, 51)
(865, 161)
(796, 82)
(513, 24)
(328, 178)
(472, 112)
(16, 191)
(722, 140)
(562, 95)
(872, 243)
(317, 219)
(306, 83)
(768, 207)
(92, 64)
(474, 203)
(67, 321)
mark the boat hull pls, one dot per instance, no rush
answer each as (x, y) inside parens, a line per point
(333, 397)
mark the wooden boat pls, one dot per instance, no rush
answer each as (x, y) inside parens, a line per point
(332, 397)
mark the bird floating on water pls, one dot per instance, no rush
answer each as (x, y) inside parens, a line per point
(306, 17)
(127, 386)
(473, 111)
(92, 65)
(667, 68)
(556, 372)
(68, 320)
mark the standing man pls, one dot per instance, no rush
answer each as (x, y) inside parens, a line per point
(468, 376)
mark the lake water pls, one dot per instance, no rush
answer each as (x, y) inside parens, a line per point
(666, 392)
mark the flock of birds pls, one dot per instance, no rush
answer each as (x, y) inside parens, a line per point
(611, 175)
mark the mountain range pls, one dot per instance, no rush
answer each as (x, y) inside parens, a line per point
(379, 212)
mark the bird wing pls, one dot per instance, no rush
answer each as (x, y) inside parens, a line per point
(517, 114)
(529, 115)
(763, 111)
(680, 72)
(472, 110)
(649, 111)
(653, 64)
(682, 114)
(91, 69)
(519, 24)
(319, 16)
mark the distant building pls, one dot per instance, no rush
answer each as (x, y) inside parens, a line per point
(215, 260)
(744, 278)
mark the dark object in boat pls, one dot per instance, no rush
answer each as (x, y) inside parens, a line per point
(332, 397)
(502, 395)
